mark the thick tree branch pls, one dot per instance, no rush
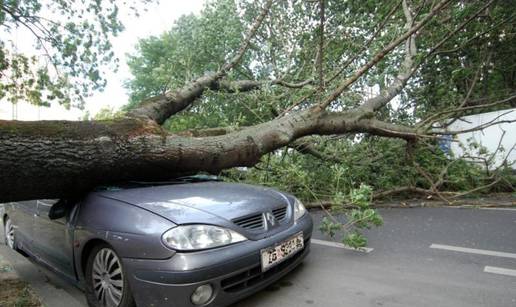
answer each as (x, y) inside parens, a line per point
(308, 148)
(406, 71)
(409, 67)
(48, 159)
(463, 110)
(494, 121)
(320, 53)
(478, 35)
(239, 86)
(404, 190)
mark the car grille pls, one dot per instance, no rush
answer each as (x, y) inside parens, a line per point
(280, 213)
(252, 222)
(256, 221)
(254, 276)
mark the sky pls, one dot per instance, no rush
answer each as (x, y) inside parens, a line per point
(158, 19)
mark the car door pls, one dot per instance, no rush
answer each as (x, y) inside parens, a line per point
(22, 216)
(54, 238)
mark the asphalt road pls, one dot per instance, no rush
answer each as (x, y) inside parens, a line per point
(472, 262)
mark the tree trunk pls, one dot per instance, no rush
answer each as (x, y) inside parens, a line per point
(47, 159)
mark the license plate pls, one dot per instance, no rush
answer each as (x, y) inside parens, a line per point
(271, 256)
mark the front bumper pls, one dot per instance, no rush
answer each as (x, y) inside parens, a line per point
(233, 271)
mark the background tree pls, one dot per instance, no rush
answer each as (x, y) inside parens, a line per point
(72, 41)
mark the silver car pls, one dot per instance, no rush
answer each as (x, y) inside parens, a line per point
(181, 244)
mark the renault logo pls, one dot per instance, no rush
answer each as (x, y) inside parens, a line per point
(270, 218)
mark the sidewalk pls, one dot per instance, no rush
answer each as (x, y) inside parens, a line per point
(14, 291)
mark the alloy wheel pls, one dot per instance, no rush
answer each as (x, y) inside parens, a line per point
(108, 279)
(9, 233)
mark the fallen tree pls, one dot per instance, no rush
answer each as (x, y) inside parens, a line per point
(50, 159)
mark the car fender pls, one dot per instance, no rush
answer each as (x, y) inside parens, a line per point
(133, 232)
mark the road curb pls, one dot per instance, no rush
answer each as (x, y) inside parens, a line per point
(408, 204)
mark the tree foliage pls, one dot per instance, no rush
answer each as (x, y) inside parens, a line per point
(72, 41)
(286, 49)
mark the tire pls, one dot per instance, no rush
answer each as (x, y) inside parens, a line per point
(9, 234)
(106, 281)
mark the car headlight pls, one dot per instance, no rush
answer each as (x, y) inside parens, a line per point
(299, 209)
(196, 237)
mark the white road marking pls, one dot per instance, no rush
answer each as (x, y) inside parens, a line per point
(498, 208)
(473, 251)
(501, 271)
(480, 208)
(340, 245)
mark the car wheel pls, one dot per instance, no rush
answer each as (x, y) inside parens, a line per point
(106, 282)
(9, 233)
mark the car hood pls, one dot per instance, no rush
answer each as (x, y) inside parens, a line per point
(206, 202)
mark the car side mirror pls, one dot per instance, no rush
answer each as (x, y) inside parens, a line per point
(58, 210)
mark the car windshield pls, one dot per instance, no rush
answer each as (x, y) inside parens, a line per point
(177, 180)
